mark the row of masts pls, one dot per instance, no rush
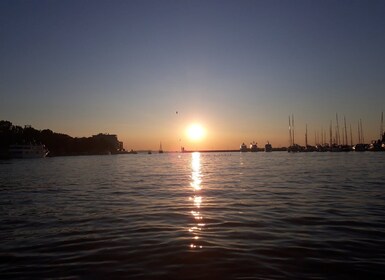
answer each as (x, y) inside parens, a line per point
(338, 137)
(343, 140)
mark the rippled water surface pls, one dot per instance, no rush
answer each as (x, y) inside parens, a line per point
(194, 216)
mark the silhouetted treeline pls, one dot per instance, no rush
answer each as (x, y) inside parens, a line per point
(58, 144)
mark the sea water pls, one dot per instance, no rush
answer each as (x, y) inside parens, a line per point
(194, 216)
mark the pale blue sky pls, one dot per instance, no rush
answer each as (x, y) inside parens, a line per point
(238, 67)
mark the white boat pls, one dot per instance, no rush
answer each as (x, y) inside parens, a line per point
(253, 147)
(243, 147)
(28, 151)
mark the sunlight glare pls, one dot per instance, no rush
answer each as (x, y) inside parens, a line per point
(195, 132)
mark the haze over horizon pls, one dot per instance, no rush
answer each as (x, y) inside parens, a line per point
(147, 70)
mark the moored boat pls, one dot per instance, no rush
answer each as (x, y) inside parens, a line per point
(360, 147)
(28, 151)
(253, 147)
(268, 147)
(295, 148)
(243, 148)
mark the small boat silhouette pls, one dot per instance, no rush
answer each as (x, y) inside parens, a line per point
(160, 148)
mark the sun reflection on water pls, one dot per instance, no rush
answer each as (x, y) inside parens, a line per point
(196, 184)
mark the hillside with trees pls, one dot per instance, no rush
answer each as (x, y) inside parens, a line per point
(58, 144)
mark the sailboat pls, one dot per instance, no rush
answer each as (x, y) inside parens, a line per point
(379, 145)
(160, 148)
(293, 148)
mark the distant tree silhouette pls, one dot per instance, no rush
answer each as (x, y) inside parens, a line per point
(57, 143)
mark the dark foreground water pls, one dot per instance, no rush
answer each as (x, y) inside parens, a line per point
(194, 216)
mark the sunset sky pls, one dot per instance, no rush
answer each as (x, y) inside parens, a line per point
(147, 70)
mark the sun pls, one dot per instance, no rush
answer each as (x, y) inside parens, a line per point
(196, 132)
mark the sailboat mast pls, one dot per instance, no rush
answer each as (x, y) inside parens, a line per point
(359, 133)
(351, 136)
(306, 137)
(362, 132)
(331, 133)
(291, 142)
(346, 134)
(338, 131)
(382, 125)
(324, 137)
(292, 119)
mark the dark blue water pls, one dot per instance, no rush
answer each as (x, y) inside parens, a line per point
(194, 216)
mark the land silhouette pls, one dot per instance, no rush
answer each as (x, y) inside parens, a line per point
(58, 144)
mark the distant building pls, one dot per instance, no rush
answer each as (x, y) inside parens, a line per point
(120, 149)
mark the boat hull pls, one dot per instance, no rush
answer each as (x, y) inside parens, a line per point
(27, 151)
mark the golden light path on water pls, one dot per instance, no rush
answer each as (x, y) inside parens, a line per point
(196, 185)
